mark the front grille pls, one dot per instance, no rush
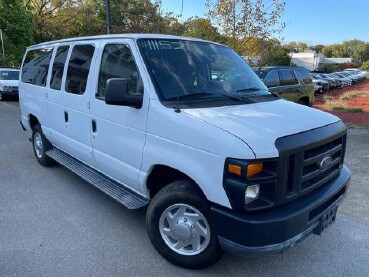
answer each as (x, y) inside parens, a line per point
(300, 156)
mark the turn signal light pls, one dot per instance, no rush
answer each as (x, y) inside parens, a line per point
(253, 169)
(234, 169)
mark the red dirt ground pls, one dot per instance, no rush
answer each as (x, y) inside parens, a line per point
(356, 102)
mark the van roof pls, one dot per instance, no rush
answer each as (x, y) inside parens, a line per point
(130, 36)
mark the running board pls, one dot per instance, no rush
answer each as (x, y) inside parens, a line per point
(126, 197)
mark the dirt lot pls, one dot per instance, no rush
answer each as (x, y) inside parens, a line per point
(352, 115)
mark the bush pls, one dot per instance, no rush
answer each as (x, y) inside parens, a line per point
(365, 65)
(329, 68)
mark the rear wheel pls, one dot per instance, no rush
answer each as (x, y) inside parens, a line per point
(2, 97)
(40, 146)
(180, 226)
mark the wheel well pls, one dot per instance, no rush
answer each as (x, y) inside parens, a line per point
(305, 100)
(162, 175)
(33, 121)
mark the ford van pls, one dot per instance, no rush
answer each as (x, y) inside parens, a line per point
(184, 128)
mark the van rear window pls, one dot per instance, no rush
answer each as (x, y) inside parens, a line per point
(36, 66)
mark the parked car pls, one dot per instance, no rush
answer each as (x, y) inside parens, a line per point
(345, 81)
(337, 82)
(354, 77)
(358, 74)
(8, 82)
(186, 127)
(291, 83)
(320, 85)
(331, 83)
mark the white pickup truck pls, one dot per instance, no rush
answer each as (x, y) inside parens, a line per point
(186, 127)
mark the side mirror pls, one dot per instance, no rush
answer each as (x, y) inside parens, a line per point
(116, 93)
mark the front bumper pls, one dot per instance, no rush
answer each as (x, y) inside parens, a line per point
(277, 229)
(14, 92)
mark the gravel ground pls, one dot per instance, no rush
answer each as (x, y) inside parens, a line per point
(52, 223)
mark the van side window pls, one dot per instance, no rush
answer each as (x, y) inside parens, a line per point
(58, 67)
(78, 68)
(36, 66)
(287, 78)
(117, 62)
(305, 76)
(272, 79)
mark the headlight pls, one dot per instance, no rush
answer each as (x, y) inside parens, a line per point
(251, 184)
(252, 193)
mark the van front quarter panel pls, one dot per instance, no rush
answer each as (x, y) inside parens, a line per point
(192, 146)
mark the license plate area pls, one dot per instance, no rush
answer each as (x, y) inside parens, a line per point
(327, 219)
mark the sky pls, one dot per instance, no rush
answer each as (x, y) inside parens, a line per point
(310, 21)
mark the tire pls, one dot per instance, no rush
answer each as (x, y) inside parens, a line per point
(40, 145)
(2, 97)
(184, 196)
(303, 102)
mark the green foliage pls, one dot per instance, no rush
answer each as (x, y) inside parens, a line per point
(18, 27)
(365, 65)
(270, 51)
(348, 49)
(296, 47)
(242, 20)
(202, 28)
(329, 67)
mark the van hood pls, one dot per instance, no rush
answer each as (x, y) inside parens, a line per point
(260, 124)
(9, 83)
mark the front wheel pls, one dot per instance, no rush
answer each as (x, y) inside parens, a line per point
(180, 226)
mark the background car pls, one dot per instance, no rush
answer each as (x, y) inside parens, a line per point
(290, 82)
(8, 82)
(323, 84)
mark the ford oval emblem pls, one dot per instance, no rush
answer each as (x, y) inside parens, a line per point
(325, 162)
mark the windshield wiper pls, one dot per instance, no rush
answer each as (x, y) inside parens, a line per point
(250, 89)
(206, 95)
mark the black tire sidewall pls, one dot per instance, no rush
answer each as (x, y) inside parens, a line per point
(45, 160)
(179, 195)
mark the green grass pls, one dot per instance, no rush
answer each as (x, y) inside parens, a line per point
(365, 125)
(352, 94)
(338, 105)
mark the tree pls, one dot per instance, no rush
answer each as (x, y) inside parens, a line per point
(202, 28)
(17, 24)
(57, 19)
(296, 47)
(269, 52)
(348, 49)
(242, 20)
(365, 65)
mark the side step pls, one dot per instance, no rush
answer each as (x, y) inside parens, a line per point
(112, 188)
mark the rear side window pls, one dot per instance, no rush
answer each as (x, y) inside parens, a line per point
(58, 67)
(78, 68)
(117, 62)
(305, 76)
(272, 79)
(36, 66)
(287, 78)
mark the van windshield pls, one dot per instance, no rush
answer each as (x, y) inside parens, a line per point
(9, 75)
(192, 70)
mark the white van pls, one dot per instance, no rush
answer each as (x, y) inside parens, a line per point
(185, 126)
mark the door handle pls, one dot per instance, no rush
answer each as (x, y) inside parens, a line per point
(94, 129)
(66, 117)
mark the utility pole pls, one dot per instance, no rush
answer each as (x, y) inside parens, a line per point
(3, 47)
(108, 16)
(182, 12)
